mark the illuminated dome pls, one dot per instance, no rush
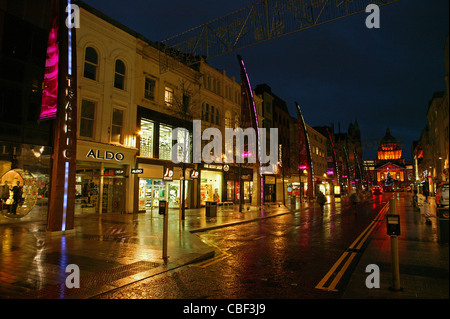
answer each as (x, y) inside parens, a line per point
(389, 148)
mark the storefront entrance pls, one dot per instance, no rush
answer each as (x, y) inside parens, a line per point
(152, 190)
(113, 197)
(97, 186)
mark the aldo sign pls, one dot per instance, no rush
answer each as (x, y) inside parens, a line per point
(105, 155)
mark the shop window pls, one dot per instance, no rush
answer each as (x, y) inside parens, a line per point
(165, 142)
(119, 76)
(87, 119)
(210, 186)
(149, 89)
(147, 132)
(117, 126)
(90, 64)
(168, 96)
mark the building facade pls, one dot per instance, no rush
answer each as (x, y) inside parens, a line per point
(390, 170)
(106, 146)
(431, 151)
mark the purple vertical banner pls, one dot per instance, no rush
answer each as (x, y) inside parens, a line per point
(50, 88)
(249, 118)
(305, 159)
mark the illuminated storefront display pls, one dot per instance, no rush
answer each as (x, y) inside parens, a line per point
(211, 183)
(147, 132)
(152, 190)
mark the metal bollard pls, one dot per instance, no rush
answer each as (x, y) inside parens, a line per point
(393, 224)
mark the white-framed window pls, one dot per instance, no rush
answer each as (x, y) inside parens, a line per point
(149, 92)
(87, 118)
(117, 126)
(90, 63)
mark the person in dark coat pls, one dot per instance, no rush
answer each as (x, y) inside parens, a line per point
(321, 199)
(17, 197)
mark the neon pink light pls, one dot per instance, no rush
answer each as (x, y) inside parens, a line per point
(303, 167)
(249, 87)
(50, 90)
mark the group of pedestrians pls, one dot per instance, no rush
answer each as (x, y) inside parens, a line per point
(8, 200)
(321, 200)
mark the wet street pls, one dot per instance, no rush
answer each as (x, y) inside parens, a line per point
(281, 257)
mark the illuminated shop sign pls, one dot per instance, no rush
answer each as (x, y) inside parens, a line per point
(105, 155)
(194, 174)
(168, 174)
(137, 170)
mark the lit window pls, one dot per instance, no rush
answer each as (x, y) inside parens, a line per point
(165, 142)
(228, 122)
(168, 96)
(147, 131)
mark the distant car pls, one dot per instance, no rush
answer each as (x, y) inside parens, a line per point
(377, 190)
(442, 195)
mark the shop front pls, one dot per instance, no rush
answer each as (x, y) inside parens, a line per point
(232, 183)
(159, 182)
(103, 178)
(269, 188)
(211, 183)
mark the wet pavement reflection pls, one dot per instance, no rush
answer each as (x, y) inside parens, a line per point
(33, 262)
(282, 257)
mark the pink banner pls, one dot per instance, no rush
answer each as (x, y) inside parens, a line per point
(50, 88)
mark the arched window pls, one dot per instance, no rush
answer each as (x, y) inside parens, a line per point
(119, 76)
(90, 64)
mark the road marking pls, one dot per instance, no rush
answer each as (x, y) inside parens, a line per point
(211, 261)
(350, 254)
(206, 263)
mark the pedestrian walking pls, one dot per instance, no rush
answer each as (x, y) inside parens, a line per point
(321, 199)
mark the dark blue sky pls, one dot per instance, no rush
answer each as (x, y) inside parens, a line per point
(338, 72)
